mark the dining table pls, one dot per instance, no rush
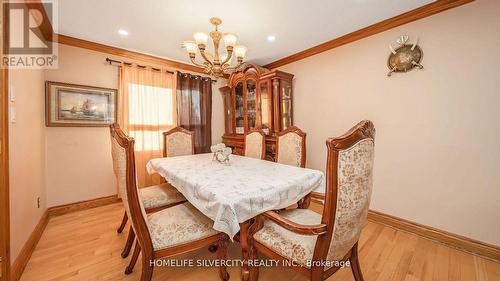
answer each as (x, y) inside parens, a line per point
(232, 194)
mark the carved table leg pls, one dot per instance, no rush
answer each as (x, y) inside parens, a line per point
(248, 273)
(246, 270)
(304, 202)
(222, 255)
(213, 248)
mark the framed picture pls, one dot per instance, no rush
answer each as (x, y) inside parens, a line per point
(73, 105)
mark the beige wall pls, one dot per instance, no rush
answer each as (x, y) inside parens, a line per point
(27, 156)
(437, 156)
(79, 159)
(79, 165)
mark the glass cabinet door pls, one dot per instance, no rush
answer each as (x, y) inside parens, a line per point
(238, 106)
(251, 103)
(265, 106)
(286, 104)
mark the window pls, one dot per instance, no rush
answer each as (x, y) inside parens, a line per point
(150, 111)
(146, 110)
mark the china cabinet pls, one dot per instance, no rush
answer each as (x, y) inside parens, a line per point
(256, 97)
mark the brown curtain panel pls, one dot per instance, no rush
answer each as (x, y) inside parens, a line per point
(194, 108)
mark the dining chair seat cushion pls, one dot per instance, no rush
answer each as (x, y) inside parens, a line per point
(295, 247)
(159, 195)
(179, 225)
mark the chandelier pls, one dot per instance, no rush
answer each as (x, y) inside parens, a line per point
(215, 64)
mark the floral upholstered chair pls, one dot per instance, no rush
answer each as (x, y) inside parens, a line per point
(153, 198)
(291, 147)
(177, 142)
(255, 144)
(165, 233)
(319, 243)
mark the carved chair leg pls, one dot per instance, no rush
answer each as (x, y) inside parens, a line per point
(355, 266)
(124, 222)
(130, 242)
(222, 255)
(133, 260)
(147, 268)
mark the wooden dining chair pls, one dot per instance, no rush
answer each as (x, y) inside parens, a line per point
(255, 144)
(177, 142)
(291, 147)
(171, 231)
(154, 198)
(315, 242)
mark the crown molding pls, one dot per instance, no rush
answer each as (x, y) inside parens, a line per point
(413, 15)
(85, 44)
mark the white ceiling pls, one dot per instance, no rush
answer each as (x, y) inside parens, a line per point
(158, 27)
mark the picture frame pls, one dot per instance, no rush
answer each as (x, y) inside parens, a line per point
(72, 105)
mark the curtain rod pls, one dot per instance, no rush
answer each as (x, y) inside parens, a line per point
(111, 61)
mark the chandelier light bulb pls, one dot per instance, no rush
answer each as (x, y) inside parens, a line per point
(191, 47)
(230, 40)
(240, 51)
(200, 38)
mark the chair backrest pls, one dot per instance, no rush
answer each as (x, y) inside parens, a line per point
(177, 142)
(349, 173)
(255, 144)
(118, 163)
(124, 166)
(291, 147)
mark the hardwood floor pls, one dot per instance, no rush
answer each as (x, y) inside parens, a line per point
(85, 246)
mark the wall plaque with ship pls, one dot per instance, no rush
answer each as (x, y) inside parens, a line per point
(79, 106)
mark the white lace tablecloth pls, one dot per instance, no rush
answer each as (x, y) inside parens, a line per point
(232, 194)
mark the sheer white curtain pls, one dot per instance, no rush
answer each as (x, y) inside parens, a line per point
(146, 110)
